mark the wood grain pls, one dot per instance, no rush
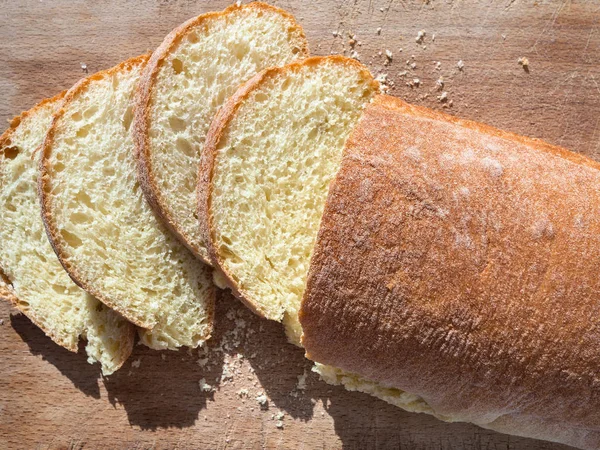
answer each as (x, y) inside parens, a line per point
(50, 398)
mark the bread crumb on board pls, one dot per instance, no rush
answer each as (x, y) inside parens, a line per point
(439, 84)
(301, 385)
(420, 36)
(204, 386)
(262, 399)
(524, 62)
(84, 67)
(460, 64)
(384, 84)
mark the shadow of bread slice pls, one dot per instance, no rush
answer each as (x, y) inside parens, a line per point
(103, 231)
(32, 278)
(197, 67)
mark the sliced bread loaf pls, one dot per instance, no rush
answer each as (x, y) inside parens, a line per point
(100, 226)
(197, 67)
(31, 277)
(270, 155)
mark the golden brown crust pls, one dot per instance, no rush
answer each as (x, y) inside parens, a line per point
(143, 101)
(207, 161)
(460, 263)
(45, 181)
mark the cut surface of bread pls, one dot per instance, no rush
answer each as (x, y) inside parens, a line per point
(32, 278)
(270, 155)
(197, 67)
(102, 229)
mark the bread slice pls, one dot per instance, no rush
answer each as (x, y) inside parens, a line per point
(269, 157)
(197, 67)
(105, 234)
(31, 277)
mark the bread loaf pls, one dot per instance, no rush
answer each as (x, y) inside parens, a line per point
(196, 68)
(460, 263)
(31, 277)
(105, 234)
(270, 155)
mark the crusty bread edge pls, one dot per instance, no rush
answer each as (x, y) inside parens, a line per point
(144, 94)
(397, 104)
(44, 188)
(7, 294)
(207, 161)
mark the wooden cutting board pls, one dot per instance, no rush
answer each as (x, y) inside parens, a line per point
(50, 398)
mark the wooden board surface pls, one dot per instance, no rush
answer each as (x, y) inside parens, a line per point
(50, 398)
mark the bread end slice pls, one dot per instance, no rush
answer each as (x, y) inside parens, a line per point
(197, 67)
(31, 277)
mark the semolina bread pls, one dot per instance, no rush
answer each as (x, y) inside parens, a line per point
(460, 263)
(269, 157)
(31, 276)
(103, 231)
(197, 67)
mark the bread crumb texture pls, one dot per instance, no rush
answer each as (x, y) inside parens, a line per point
(199, 73)
(106, 231)
(36, 282)
(271, 176)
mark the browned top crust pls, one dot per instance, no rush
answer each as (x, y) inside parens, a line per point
(460, 263)
(216, 132)
(143, 105)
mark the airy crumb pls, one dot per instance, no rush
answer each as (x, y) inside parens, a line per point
(279, 424)
(388, 55)
(413, 66)
(136, 363)
(1, 321)
(443, 97)
(433, 38)
(416, 82)
(84, 67)
(355, 55)
(523, 61)
(438, 65)
(420, 36)
(335, 33)
(243, 393)
(279, 415)
(460, 64)
(379, 30)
